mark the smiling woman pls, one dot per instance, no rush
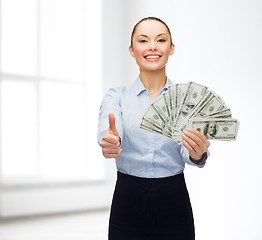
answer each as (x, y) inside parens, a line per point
(150, 199)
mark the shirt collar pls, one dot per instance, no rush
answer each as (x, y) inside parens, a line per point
(139, 86)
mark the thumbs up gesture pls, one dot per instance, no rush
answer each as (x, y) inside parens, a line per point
(111, 141)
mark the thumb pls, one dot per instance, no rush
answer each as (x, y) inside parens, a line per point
(112, 124)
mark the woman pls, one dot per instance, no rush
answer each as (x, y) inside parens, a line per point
(150, 199)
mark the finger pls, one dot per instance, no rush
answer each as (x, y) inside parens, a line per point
(187, 146)
(111, 139)
(191, 143)
(192, 153)
(194, 138)
(112, 124)
(109, 146)
(199, 134)
(110, 151)
(112, 155)
(198, 147)
(202, 137)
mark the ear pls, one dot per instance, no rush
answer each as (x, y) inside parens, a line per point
(131, 51)
(172, 49)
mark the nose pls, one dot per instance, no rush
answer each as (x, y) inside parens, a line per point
(152, 46)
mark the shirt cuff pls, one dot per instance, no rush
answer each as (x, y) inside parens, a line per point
(201, 162)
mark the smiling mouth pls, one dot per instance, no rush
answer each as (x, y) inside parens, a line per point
(152, 56)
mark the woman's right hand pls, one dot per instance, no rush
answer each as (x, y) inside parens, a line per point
(111, 141)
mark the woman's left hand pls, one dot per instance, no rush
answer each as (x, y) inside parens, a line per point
(196, 144)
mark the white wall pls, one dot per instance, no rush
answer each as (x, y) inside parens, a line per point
(113, 48)
(218, 43)
(55, 198)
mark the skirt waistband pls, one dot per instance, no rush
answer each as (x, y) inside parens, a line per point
(135, 179)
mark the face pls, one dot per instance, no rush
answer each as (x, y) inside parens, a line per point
(151, 45)
(212, 129)
(187, 108)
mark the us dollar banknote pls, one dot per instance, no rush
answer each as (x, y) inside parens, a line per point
(216, 128)
(226, 113)
(211, 104)
(208, 105)
(161, 107)
(176, 94)
(195, 92)
(155, 122)
(146, 125)
(187, 105)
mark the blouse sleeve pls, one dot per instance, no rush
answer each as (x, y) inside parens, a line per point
(110, 104)
(186, 157)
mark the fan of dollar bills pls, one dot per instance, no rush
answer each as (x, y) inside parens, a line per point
(190, 105)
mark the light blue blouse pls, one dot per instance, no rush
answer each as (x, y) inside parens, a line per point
(144, 154)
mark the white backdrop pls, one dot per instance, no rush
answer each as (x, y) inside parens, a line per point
(218, 44)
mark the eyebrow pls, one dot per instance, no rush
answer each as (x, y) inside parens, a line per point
(143, 35)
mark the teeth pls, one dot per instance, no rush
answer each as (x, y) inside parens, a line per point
(152, 57)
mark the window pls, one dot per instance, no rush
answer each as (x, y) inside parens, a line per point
(50, 89)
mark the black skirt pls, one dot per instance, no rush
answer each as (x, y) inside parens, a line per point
(151, 209)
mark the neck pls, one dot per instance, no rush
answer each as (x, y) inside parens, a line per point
(154, 81)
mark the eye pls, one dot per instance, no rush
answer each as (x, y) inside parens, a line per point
(161, 40)
(142, 41)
